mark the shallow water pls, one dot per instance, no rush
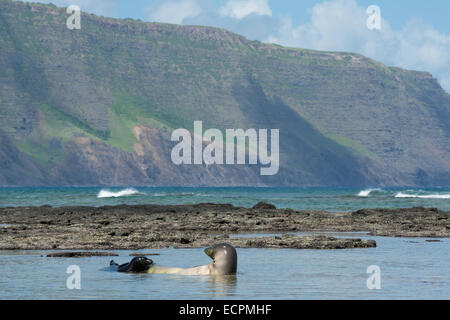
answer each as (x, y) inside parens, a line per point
(331, 199)
(411, 268)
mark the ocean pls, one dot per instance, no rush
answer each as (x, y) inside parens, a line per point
(330, 199)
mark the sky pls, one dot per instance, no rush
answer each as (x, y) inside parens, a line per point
(414, 34)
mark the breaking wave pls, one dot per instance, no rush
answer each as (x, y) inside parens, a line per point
(422, 196)
(121, 193)
(367, 192)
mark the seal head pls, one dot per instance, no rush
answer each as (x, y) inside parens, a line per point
(224, 259)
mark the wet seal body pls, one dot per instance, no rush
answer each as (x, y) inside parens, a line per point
(224, 263)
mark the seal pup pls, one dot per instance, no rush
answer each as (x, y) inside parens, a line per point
(137, 264)
(224, 263)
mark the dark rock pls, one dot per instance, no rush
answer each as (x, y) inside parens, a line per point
(306, 242)
(264, 206)
(138, 254)
(81, 254)
(185, 241)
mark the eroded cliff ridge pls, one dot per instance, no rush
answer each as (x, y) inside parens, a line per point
(97, 106)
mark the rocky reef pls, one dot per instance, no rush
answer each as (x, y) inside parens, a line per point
(136, 227)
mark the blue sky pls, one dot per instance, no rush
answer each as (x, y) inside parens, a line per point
(415, 34)
(397, 12)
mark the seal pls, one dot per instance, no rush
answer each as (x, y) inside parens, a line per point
(224, 262)
(137, 264)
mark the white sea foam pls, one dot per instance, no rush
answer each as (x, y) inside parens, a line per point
(367, 192)
(179, 194)
(159, 194)
(422, 196)
(121, 193)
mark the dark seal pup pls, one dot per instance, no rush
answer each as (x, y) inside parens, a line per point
(137, 264)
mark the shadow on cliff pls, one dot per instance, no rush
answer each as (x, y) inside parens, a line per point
(306, 156)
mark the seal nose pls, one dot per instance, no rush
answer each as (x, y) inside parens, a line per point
(209, 252)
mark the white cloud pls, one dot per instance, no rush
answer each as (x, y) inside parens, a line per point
(239, 9)
(340, 25)
(175, 11)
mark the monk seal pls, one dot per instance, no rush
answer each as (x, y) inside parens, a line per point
(224, 263)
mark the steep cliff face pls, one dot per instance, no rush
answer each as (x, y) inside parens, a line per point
(97, 106)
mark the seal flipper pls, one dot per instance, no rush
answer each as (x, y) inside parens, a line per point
(113, 266)
(112, 263)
